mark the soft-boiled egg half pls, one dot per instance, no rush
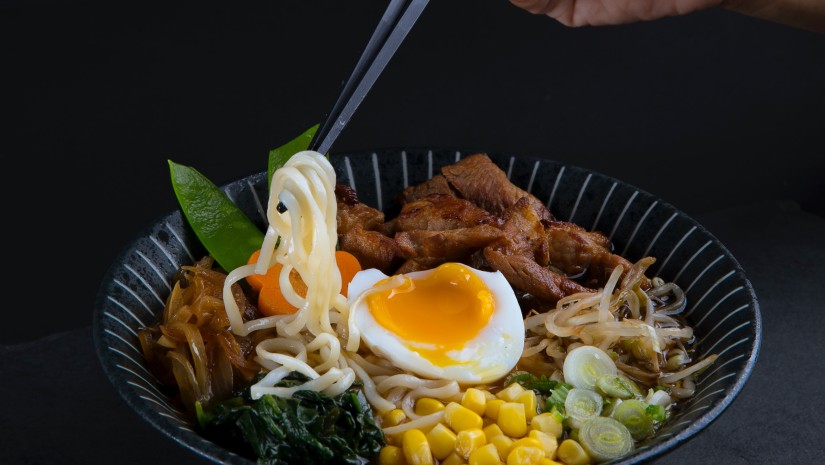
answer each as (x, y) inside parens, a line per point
(451, 322)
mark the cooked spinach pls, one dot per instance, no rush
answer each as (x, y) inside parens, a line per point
(309, 428)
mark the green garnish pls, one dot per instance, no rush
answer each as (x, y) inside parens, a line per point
(310, 428)
(228, 234)
(604, 438)
(633, 414)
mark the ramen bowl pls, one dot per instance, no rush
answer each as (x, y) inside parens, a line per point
(722, 307)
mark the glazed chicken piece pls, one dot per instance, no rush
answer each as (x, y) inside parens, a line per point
(478, 179)
(576, 251)
(358, 233)
(441, 212)
(522, 256)
(439, 228)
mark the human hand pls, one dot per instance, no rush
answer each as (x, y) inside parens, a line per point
(603, 12)
(803, 14)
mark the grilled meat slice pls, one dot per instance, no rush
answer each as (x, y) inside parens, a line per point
(478, 179)
(432, 248)
(372, 249)
(436, 185)
(576, 251)
(440, 212)
(526, 275)
(359, 232)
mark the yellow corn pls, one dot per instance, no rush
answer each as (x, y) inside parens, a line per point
(442, 441)
(459, 417)
(548, 442)
(547, 423)
(510, 393)
(528, 398)
(475, 400)
(491, 431)
(488, 395)
(502, 443)
(391, 455)
(485, 455)
(394, 417)
(512, 419)
(453, 459)
(469, 440)
(571, 453)
(416, 449)
(525, 456)
(528, 442)
(546, 461)
(492, 408)
(428, 405)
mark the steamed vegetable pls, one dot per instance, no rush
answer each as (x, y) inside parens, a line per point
(309, 428)
(226, 232)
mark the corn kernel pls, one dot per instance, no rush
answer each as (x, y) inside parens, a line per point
(548, 442)
(492, 431)
(510, 393)
(492, 408)
(427, 405)
(528, 442)
(488, 395)
(391, 455)
(442, 441)
(485, 455)
(547, 423)
(416, 448)
(459, 417)
(571, 453)
(469, 440)
(453, 459)
(503, 444)
(525, 456)
(546, 461)
(512, 419)
(394, 417)
(528, 398)
(474, 400)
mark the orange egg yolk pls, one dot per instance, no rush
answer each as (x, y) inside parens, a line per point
(436, 314)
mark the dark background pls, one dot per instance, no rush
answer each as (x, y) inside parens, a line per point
(711, 111)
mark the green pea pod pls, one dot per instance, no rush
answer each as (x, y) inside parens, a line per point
(228, 234)
(279, 156)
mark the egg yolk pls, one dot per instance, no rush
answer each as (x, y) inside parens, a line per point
(436, 314)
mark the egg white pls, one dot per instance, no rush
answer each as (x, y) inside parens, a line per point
(489, 356)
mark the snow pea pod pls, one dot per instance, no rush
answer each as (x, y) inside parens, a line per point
(228, 234)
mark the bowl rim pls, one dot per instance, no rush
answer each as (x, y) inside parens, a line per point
(218, 454)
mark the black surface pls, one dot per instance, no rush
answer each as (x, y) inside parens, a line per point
(719, 114)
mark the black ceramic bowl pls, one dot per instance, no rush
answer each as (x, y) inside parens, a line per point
(722, 306)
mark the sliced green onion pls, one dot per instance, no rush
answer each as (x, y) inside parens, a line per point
(617, 386)
(557, 398)
(584, 365)
(583, 404)
(633, 414)
(656, 412)
(604, 438)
